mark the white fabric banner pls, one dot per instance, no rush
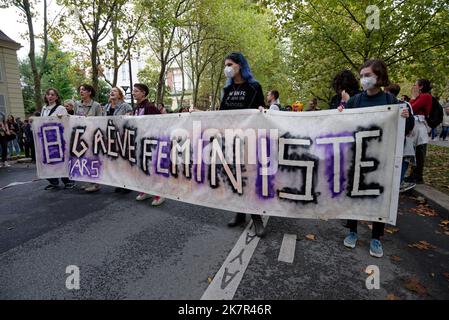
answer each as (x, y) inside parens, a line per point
(322, 164)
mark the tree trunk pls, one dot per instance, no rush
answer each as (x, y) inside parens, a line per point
(32, 56)
(93, 61)
(161, 84)
(183, 89)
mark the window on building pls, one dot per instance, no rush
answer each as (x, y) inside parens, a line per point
(2, 103)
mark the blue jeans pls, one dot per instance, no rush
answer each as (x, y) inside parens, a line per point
(444, 133)
(13, 144)
(434, 133)
(404, 169)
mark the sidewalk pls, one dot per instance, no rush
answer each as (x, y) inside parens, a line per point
(435, 198)
(439, 143)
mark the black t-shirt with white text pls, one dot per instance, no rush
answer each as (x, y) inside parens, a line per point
(242, 96)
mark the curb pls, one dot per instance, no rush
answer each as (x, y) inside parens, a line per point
(435, 198)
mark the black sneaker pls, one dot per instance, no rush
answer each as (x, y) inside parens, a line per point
(258, 225)
(238, 219)
(51, 187)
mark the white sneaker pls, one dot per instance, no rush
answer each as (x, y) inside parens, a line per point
(6, 164)
(142, 196)
(405, 186)
(157, 201)
(92, 188)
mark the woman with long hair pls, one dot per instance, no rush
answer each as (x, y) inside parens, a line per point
(53, 107)
(13, 144)
(88, 107)
(242, 91)
(117, 105)
(421, 103)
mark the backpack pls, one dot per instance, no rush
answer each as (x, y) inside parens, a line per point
(435, 116)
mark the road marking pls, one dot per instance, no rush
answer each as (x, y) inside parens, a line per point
(227, 280)
(12, 184)
(287, 252)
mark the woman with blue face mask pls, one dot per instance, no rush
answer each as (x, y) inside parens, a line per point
(373, 76)
(242, 91)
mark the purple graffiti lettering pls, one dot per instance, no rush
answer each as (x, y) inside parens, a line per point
(329, 160)
(51, 136)
(84, 167)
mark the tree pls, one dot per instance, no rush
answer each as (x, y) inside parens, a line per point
(60, 72)
(164, 18)
(327, 36)
(235, 31)
(150, 76)
(125, 29)
(28, 12)
(95, 18)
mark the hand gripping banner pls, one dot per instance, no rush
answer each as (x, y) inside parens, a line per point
(321, 165)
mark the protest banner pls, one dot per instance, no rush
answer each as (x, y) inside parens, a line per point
(322, 165)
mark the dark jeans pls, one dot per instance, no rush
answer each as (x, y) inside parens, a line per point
(4, 144)
(29, 150)
(434, 133)
(444, 133)
(378, 228)
(404, 169)
(417, 173)
(55, 181)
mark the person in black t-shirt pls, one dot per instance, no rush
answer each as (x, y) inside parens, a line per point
(242, 91)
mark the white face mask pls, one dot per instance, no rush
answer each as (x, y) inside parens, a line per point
(368, 82)
(229, 72)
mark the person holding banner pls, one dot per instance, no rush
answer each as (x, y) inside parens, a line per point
(373, 76)
(69, 105)
(144, 107)
(242, 91)
(53, 107)
(117, 105)
(87, 107)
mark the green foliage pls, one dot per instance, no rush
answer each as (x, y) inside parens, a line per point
(293, 46)
(328, 36)
(150, 76)
(59, 73)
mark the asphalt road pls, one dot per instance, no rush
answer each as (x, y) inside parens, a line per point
(126, 249)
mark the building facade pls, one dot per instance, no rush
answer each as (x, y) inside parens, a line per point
(11, 100)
